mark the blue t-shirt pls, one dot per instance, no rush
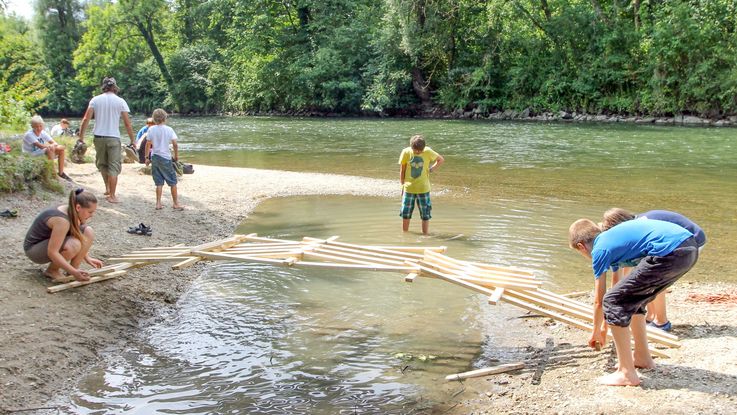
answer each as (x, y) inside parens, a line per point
(140, 134)
(679, 220)
(635, 239)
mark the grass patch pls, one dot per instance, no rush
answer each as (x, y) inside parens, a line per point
(20, 172)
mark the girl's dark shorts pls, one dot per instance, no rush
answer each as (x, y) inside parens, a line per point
(650, 277)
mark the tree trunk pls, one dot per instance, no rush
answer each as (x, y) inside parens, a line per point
(148, 34)
(546, 9)
(420, 86)
(636, 12)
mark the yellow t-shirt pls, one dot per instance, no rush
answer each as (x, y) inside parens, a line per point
(416, 173)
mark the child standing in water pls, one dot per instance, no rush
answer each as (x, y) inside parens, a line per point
(416, 163)
(160, 136)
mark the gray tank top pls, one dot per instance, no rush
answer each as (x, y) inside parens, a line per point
(39, 230)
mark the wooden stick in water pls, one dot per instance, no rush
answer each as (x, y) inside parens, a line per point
(507, 367)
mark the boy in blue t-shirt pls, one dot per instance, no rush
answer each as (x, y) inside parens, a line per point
(663, 252)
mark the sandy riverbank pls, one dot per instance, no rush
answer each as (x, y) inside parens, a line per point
(47, 341)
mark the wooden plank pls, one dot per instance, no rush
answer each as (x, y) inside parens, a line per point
(486, 282)
(262, 239)
(150, 259)
(242, 258)
(410, 277)
(237, 251)
(264, 245)
(496, 296)
(398, 257)
(187, 262)
(366, 248)
(330, 251)
(75, 284)
(284, 255)
(456, 281)
(507, 367)
(468, 267)
(356, 266)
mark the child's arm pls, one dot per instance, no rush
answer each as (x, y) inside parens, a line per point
(176, 150)
(402, 170)
(599, 332)
(438, 162)
(147, 152)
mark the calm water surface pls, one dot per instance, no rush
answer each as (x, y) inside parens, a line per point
(264, 340)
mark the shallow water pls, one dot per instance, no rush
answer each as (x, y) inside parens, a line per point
(254, 339)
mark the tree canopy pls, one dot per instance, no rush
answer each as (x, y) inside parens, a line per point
(382, 56)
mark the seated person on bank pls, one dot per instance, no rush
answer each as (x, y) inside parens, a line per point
(61, 129)
(38, 142)
(60, 237)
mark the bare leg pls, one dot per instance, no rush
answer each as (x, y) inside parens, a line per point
(641, 355)
(106, 181)
(174, 198)
(89, 236)
(69, 250)
(425, 226)
(159, 190)
(626, 375)
(112, 187)
(60, 158)
(656, 308)
(405, 224)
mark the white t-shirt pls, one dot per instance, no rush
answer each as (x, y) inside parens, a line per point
(30, 138)
(108, 107)
(161, 136)
(56, 131)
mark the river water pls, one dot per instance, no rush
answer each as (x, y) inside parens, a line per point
(263, 340)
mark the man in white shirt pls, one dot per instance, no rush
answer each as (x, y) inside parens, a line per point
(107, 109)
(37, 142)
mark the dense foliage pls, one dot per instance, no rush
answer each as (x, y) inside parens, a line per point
(386, 56)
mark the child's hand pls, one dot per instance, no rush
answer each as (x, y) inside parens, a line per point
(597, 339)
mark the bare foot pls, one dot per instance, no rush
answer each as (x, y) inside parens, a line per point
(619, 379)
(159, 207)
(645, 363)
(178, 207)
(57, 276)
(106, 193)
(112, 199)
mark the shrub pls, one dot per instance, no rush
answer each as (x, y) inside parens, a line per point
(20, 172)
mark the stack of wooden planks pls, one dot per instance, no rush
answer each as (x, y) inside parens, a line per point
(500, 284)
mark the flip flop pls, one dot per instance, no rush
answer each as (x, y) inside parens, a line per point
(7, 213)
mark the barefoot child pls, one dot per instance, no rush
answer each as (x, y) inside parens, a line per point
(60, 237)
(160, 136)
(665, 252)
(416, 164)
(656, 310)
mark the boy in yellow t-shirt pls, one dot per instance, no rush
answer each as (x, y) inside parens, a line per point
(416, 164)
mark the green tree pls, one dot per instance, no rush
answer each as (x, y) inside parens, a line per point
(23, 76)
(59, 36)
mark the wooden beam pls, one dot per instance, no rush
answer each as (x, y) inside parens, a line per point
(456, 281)
(410, 277)
(507, 367)
(75, 284)
(355, 266)
(496, 296)
(187, 262)
(242, 258)
(399, 257)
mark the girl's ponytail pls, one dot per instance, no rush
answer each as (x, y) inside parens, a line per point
(78, 197)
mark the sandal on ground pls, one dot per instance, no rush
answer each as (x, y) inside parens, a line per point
(141, 229)
(7, 213)
(665, 326)
(65, 177)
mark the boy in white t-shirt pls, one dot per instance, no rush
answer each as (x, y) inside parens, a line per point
(37, 142)
(160, 136)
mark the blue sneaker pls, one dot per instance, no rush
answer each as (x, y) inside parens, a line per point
(665, 326)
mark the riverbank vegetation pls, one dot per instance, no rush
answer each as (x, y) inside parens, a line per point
(389, 57)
